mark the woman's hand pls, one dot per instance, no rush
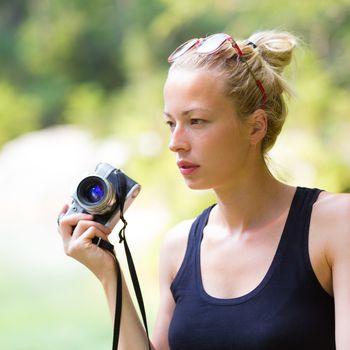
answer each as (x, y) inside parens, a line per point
(77, 232)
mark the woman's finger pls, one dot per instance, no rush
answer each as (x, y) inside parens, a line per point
(75, 247)
(67, 223)
(84, 225)
(62, 213)
(93, 232)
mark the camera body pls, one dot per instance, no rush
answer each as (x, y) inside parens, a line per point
(103, 194)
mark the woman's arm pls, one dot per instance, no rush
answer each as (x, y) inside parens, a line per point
(132, 334)
(338, 216)
(77, 232)
(172, 254)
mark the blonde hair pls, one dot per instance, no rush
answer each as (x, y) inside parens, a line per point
(267, 54)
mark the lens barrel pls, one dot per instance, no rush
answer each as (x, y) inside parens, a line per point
(95, 194)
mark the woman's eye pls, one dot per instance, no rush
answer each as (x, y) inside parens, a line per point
(196, 121)
(170, 124)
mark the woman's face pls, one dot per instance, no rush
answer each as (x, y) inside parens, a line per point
(210, 142)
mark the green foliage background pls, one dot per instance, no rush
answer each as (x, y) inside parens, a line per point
(101, 64)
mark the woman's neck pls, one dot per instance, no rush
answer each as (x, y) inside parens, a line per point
(252, 202)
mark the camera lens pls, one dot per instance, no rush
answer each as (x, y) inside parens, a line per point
(91, 190)
(95, 195)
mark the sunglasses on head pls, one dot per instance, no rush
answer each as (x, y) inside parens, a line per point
(211, 45)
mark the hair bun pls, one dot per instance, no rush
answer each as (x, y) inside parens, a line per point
(276, 48)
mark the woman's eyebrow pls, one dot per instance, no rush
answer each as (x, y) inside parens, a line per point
(189, 111)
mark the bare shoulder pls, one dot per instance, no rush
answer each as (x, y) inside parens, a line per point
(177, 235)
(333, 207)
(332, 219)
(174, 247)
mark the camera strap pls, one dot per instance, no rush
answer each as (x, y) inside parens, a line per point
(121, 194)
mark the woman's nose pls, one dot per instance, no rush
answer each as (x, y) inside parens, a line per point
(179, 140)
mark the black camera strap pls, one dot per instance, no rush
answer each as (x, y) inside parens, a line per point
(121, 195)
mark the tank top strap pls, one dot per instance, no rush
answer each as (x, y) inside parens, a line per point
(311, 197)
(300, 212)
(199, 224)
(294, 245)
(186, 270)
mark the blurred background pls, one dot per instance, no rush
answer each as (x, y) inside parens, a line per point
(80, 83)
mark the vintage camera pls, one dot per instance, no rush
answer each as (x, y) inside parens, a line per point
(103, 194)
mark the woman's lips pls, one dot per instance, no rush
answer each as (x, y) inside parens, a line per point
(187, 168)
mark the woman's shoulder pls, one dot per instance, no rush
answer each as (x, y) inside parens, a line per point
(333, 210)
(176, 238)
(334, 205)
(174, 247)
(332, 219)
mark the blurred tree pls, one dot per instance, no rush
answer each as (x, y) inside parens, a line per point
(101, 64)
(18, 113)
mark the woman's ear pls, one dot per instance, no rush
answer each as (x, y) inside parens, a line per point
(257, 123)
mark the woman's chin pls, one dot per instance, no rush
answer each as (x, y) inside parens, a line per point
(196, 185)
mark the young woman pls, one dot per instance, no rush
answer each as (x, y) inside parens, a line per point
(268, 266)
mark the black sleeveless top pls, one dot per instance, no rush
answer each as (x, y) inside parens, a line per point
(288, 310)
